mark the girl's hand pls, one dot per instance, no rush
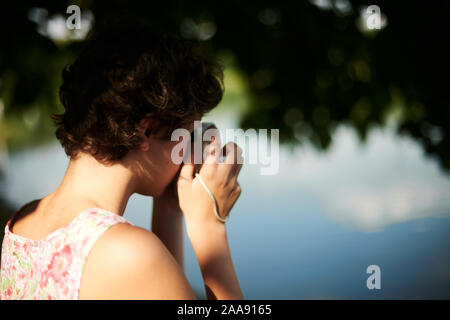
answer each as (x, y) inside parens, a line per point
(221, 179)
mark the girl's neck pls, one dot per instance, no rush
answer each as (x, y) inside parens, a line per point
(90, 183)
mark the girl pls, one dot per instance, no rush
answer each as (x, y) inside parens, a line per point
(123, 96)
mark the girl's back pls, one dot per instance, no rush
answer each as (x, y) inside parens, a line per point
(52, 267)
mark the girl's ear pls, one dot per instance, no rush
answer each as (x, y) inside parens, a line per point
(144, 132)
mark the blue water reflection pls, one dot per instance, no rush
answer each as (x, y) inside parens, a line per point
(311, 230)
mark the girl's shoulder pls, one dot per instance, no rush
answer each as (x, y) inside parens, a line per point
(127, 262)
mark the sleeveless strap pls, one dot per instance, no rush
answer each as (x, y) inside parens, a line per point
(90, 227)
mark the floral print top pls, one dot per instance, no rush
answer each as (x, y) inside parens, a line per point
(51, 268)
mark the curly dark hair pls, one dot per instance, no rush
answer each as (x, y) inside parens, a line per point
(126, 74)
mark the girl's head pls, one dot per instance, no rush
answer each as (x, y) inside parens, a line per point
(126, 93)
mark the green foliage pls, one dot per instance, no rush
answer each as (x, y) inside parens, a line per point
(308, 68)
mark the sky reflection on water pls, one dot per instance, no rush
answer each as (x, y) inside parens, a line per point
(311, 230)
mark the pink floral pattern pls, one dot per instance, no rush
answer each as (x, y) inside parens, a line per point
(51, 268)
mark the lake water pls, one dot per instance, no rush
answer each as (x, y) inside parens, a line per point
(312, 230)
